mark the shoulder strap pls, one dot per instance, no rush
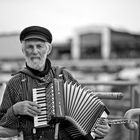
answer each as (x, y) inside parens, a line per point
(58, 72)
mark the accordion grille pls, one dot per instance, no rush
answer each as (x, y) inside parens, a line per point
(82, 106)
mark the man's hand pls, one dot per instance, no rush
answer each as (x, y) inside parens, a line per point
(101, 129)
(26, 108)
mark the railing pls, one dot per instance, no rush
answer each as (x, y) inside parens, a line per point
(134, 98)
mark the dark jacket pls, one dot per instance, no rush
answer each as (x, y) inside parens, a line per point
(19, 88)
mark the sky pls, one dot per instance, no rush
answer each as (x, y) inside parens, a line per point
(63, 17)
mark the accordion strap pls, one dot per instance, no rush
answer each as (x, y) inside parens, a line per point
(56, 131)
(58, 75)
(58, 72)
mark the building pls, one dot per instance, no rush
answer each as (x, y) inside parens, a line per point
(102, 42)
(10, 46)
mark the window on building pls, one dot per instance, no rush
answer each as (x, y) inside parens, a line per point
(90, 45)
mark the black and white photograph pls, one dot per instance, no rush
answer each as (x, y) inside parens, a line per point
(69, 70)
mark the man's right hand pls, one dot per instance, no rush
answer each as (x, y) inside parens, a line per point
(7, 132)
(27, 108)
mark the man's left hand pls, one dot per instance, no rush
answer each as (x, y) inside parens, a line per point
(101, 130)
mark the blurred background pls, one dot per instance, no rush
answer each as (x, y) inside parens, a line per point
(98, 42)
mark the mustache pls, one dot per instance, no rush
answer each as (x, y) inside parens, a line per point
(35, 57)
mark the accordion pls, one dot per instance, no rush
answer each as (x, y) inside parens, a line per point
(72, 102)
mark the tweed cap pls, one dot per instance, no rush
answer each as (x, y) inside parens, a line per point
(36, 32)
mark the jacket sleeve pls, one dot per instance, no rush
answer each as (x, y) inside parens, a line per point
(7, 132)
(7, 116)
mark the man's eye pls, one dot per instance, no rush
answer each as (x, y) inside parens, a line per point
(39, 46)
(29, 47)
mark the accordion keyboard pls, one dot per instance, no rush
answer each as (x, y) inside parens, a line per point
(42, 97)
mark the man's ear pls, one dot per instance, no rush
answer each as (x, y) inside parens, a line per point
(22, 49)
(49, 48)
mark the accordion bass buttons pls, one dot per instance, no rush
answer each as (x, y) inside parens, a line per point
(53, 110)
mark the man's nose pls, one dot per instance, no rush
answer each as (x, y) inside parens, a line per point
(35, 50)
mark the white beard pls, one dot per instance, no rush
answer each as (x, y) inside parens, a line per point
(36, 64)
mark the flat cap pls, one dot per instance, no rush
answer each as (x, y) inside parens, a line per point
(36, 32)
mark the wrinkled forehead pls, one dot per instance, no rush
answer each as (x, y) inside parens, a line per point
(34, 40)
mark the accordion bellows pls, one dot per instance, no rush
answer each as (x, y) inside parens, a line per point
(73, 102)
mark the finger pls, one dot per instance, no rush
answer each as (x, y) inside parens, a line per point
(34, 104)
(102, 131)
(102, 126)
(103, 121)
(99, 133)
(31, 113)
(35, 110)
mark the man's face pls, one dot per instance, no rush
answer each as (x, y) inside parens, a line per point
(35, 52)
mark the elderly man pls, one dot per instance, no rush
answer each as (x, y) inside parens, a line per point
(18, 109)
